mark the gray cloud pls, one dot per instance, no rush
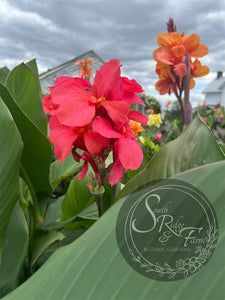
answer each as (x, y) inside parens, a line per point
(55, 31)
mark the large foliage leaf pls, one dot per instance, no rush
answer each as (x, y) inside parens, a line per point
(67, 168)
(11, 147)
(3, 74)
(37, 152)
(25, 89)
(93, 268)
(14, 251)
(196, 146)
(77, 198)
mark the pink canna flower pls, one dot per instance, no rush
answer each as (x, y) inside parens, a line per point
(95, 118)
(157, 137)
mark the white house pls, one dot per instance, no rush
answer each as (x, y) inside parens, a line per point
(69, 69)
(215, 91)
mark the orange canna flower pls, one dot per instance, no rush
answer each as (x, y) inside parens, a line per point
(169, 102)
(85, 70)
(199, 104)
(135, 127)
(204, 103)
(174, 47)
(150, 111)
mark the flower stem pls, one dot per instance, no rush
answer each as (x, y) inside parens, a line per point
(99, 203)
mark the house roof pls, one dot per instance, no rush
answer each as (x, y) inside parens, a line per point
(216, 86)
(69, 69)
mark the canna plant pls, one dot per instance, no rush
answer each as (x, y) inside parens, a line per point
(54, 188)
(176, 68)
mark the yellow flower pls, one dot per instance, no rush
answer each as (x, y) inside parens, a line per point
(155, 119)
(142, 140)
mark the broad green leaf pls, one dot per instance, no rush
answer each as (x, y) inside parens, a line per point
(37, 152)
(11, 147)
(67, 168)
(42, 241)
(92, 267)
(25, 89)
(14, 251)
(70, 236)
(196, 146)
(32, 65)
(3, 74)
(77, 198)
(84, 218)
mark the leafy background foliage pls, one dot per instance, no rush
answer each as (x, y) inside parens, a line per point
(45, 213)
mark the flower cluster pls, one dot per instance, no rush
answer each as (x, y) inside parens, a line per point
(96, 119)
(85, 70)
(155, 119)
(171, 56)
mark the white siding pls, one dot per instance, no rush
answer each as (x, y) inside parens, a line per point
(213, 98)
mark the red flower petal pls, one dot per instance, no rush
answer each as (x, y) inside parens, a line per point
(83, 171)
(107, 78)
(94, 142)
(131, 85)
(76, 112)
(117, 110)
(116, 173)
(104, 127)
(62, 137)
(130, 153)
(138, 117)
(131, 98)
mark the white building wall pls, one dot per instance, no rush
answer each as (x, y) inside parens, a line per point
(223, 98)
(213, 98)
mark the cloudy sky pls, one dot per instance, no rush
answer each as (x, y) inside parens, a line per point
(54, 31)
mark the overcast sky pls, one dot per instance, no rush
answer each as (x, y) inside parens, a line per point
(54, 31)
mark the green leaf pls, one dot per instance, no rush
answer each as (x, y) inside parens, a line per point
(92, 267)
(77, 198)
(42, 241)
(67, 168)
(11, 147)
(32, 65)
(52, 216)
(37, 152)
(196, 146)
(25, 89)
(3, 74)
(14, 251)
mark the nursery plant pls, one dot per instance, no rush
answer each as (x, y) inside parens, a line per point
(68, 163)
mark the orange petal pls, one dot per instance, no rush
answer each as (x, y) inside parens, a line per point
(192, 83)
(190, 40)
(180, 69)
(200, 51)
(179, 51)
(163, 54)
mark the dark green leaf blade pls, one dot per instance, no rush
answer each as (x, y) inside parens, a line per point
(67, 168)
(77, 198)
(11, 147)
(93, 268)
(196, 146)
(14, 251)
(25, 89)
(37, 152)
(3, 74)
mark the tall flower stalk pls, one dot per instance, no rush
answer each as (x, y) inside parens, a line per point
(176, 68)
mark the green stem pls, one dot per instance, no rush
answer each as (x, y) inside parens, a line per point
(35, 207)
(115, 191)
(99, 203)
(34, 215)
